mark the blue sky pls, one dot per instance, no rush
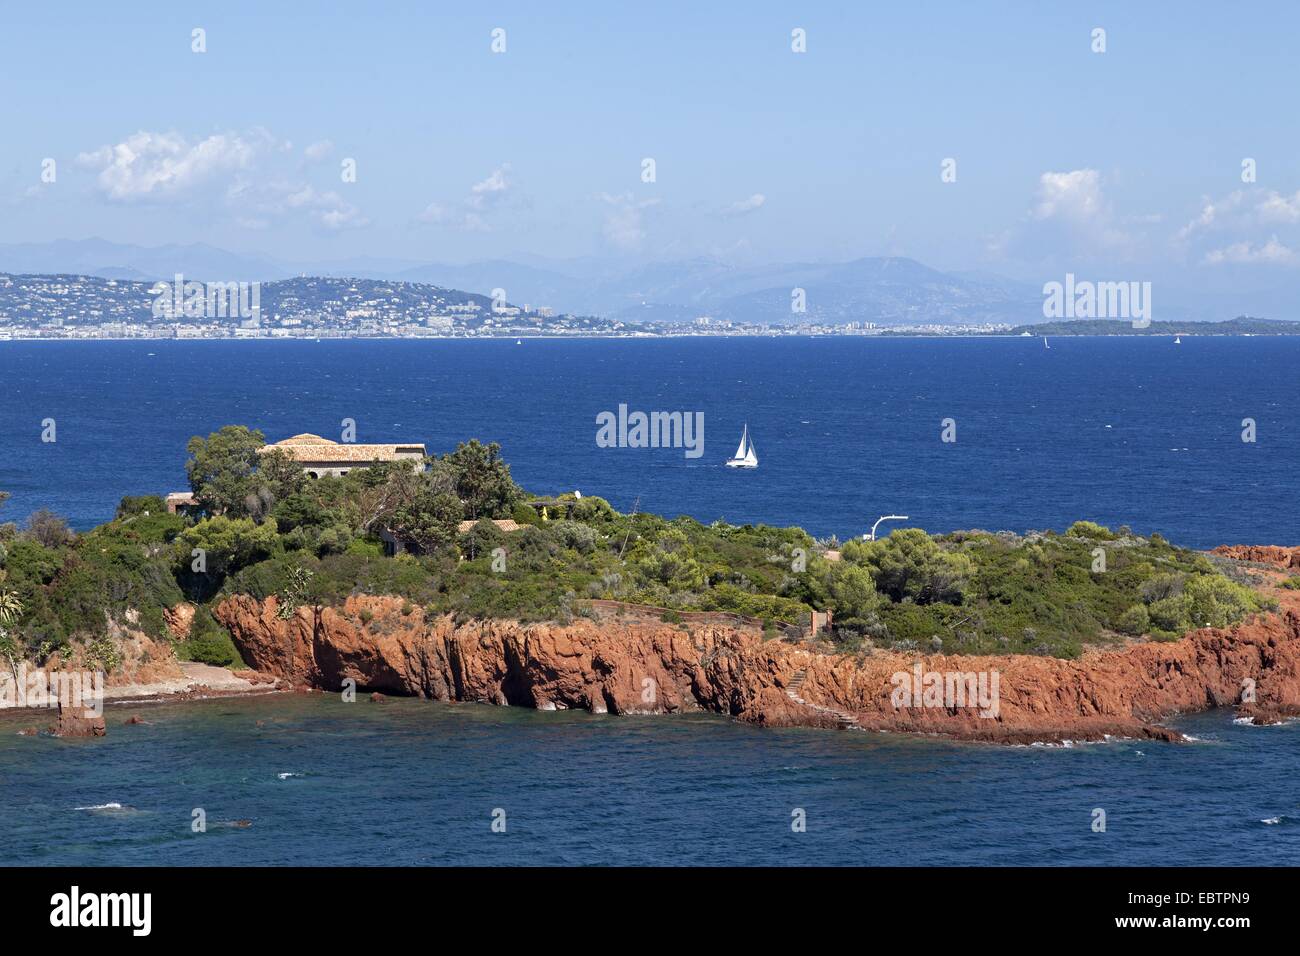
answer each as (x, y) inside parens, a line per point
(1126, 162)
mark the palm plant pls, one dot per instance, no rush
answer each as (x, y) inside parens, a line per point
(11, 609)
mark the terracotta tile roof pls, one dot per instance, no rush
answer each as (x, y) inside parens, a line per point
(313, 448)
(505, 524)
(306, 438)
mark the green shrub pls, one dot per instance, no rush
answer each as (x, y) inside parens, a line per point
(482, 537)
(140, 505)
(911, 564)
(1135, 621)
(209, 642)
(1091, 530)
(525, 514)
(363, 547)
(1162, 586)
(228, 543)
(852, 594)
(1172, 614)
(573, 535)
(1217, 602)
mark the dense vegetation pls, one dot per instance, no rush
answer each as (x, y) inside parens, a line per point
(264, 529)
(1242, 325)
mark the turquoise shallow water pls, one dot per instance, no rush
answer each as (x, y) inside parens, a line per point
(417, 782)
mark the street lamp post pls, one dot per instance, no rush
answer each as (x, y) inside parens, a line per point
(872, 535)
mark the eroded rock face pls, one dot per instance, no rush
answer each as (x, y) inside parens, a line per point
(180, 619)
(144, 660)
(641, 666)
(1262, 553)
(607, 667)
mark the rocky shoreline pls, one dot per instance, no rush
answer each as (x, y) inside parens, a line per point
(635, 663)
(199, 682)
(630, 661)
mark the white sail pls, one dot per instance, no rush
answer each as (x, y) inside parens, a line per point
(744, 440)
(745, 456)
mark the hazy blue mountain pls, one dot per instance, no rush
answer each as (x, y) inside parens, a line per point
(124, 273)
(361, 267)
(522, 283)
(99, 256)
(882, 290)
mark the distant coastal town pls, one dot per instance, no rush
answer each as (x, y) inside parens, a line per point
(91, 307)
(79, 307)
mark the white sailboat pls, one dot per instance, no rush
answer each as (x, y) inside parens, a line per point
(1178, 340)
(744, 456)
(1045, 345)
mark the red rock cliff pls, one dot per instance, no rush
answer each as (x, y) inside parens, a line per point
(1273, 554)
(641, 665)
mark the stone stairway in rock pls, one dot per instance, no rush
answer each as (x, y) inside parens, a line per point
(842, 717)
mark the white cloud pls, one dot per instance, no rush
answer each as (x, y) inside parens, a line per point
(625, 222)
(1237, 225)
(471, 212)
(1074, 196)
(1212, 213)
(1275, 207)
(149, 165)
(259, 204)
(1242, 210)
(317, 151)
(251, 174)
(484, 193)
(1272, 251)
(435, 213)
(327, 207)
(1070, 220)
(745, 206)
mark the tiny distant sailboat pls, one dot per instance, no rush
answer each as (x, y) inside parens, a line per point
(1045, 345)
(1178, 340)
(519, 341)
(744, 456)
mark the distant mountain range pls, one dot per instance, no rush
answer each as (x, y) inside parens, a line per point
(881, 290)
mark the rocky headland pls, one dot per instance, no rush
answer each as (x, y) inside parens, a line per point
(630, 661)
(627, 659)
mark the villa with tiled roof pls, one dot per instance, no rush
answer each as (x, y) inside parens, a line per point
(320, 457)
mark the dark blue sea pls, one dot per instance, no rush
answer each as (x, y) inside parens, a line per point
(418, 782)
(1118, 430)
(1122, 431)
